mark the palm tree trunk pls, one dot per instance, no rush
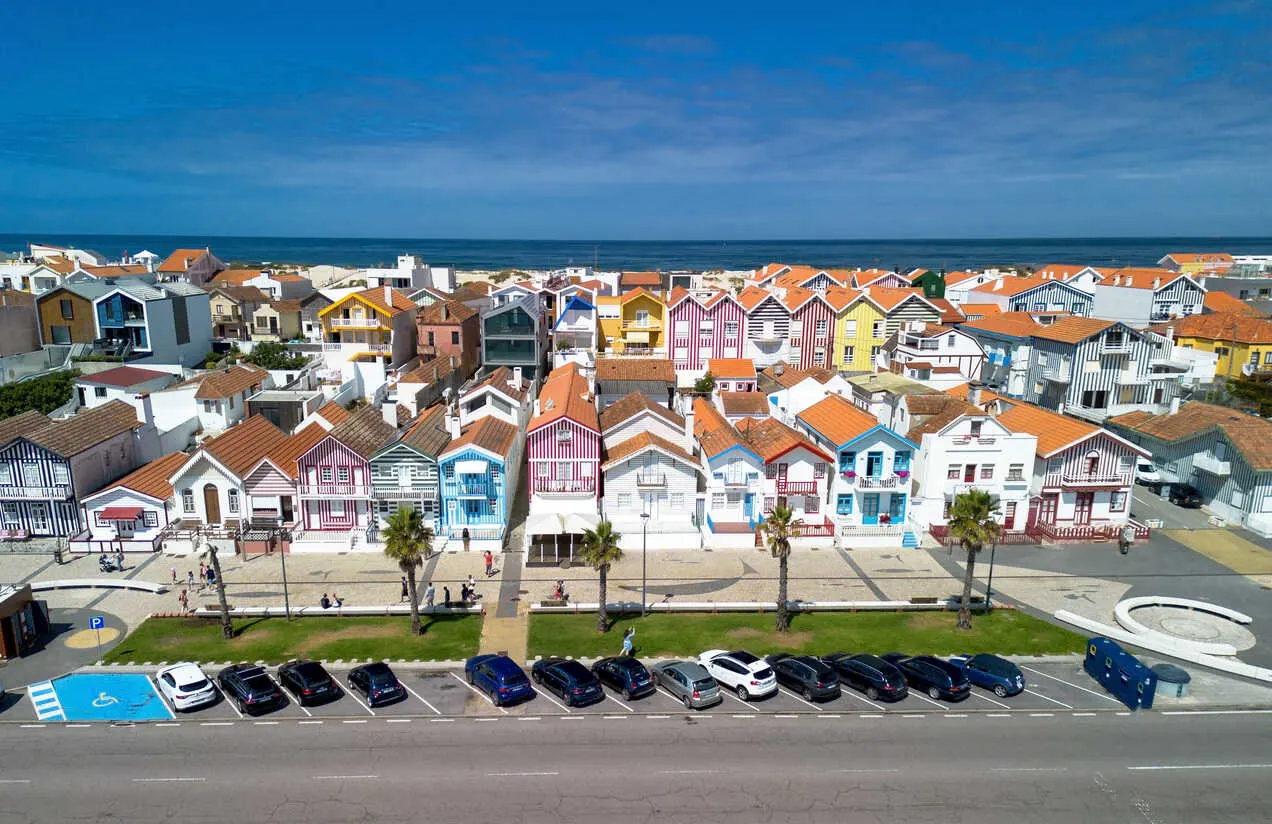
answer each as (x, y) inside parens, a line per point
(783, 616)
(965, 605)
(227, 628)
(415, 602)
(602, 616)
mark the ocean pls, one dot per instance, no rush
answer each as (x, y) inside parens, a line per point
(649, 255)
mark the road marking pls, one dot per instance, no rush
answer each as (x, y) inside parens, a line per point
(1085, 714)
(954, 715)
(358, 701)
(785, 715)
(866, 771)
(846, 691)
(925, 699)
(168, 724)
(544, 693)
(162, 780)
(688, 772)
(441, 720)
(569, 718)
(1052, 700)
(345, 777)
(1203, 767)
(615, 717)
(1123, 713)
(1027, 769)
(647, 716)
(218, 723)
(481, 720)
(800, 700)
(77, 726)
(870, 716)
(479, 692)
(265, 723)
(914, 716)
(1042, 715)
(1071, 684)
(354, 721)
(303, 708)
(520, 774)
(620, 703)
(729, 694)
(227, 700)
(1215, 712)
(308, 722)
(832, 716)
(162, 700)
(530, 718)
(15, 781)
(743, 715)
(435, 710)
(33, 726)
(398, 720)
(990, 700)
(998, 715)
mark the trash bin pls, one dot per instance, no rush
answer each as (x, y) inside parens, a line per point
(1173, 678)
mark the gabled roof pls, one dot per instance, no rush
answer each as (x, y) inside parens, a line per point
(180, 259)
(639, 291)
(635, 369)
(677, 294)
(1073, 329)
(151, 480)
(731, 368)
(1198, 257)
(1142, 277)
(787, 376)
(634, 404)
(986, 394)
(838, 419)
(445, 311)
(1223, 302)
(1228, 326)
(752, 404)
(428, 435)
(123, 376)
(952, 278)
(1011, 324)
(1058, 271)
(752, 296)
(565, 394)
(24, 423)
(1250, 434)
(234, 277)
(841, 297)
(429, 371)
(333, 413)
(375, 298)
(642, 442)
(984, 310)
(1054, 431)
(241, 447)
(285, 454)
(944, 410)
(489, 433)
(365, 432)
(653, 279)
(949, 312)
(472, 290)
(890, 297)
(499, 381)
(85, 430)
(241, 294)
(771, 439)
(224, 383)
(714, 433)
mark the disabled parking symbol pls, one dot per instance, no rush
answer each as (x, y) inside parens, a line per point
(104, 700)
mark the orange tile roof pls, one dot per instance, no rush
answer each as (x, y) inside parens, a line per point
(1224, 302)
(986, 394)
(640, 279)
(234, 277)
(333, 413)
(716, 298)
(1226, 326)
(753, 404)
(731, 368)
(796, 297)
(637, 292)
(641, 442)
(1009, 286)
(565, 395)
(952, 278)
(1250, 434)
(1058, 271)
(890, 297)
(841, 297)
(635, 369)
(116, 271)
(488, 433)
(788, 376)
(375, 297)
(948, 409)
(983, 309)
(837, 419)
(1073, 329)
(227, 382)
(677, 294)
(452, 312)
(1054, 431)
(771, 439)
(753, 296)
(180, 259)
(241, 447)
(714, 433)
(63, 266)
(1200, 257)
(152, 479)
(288, 277)
(284, 455)
(632, 405)
(1141, 277)
(949, 312)
(1015, 324)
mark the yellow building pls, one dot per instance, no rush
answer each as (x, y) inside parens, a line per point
(609, 323)
(1194, 263)
(642, 323)
(375, 322)
(859, 329)
(1243, 342)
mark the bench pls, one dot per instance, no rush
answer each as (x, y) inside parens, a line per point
(99, 583)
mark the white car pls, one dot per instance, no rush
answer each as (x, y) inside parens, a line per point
(748, 675)
(185, 685)
(1147, 474)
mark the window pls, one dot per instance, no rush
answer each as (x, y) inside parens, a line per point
(819, 328)
(976, 428)
(819, 469)
(730, 329)
(326, 474)
(677, 500)
(150, 518)
(770, 471)
(819, 356)
(494, 477)
(1117, 502)
(792, 356)
(874, 355)
(901, 461)
(542, 469)
(849, 351)
(797, 329)
(99, 391)
(1076, 308)
(31, 475)
(342, 475)
(449, 472)
(682, 328)
(949, 342)
(953, 473)
(847, 461)
(850, 328)
(1267, 357)
(624, 501)
(1016, 472)
(1124, 464)
(682, 356)
(843, 506)
(1055, 464)
(811, 502)
(337, 508)
(187, 501)
(642, 317)
(61, 475)
(717, 501)
(987, 472)
(492, 506)
(1254, 358)
(233, 498)
(876, 330)
(564, 435)
(945, 510)
(6, 475)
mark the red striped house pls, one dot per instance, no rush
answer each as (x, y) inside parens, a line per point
(563, 443)
(334, 483)
(702, 328)
(812, 328)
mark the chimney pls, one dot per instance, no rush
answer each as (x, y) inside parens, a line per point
(1157, 282)
(1060, 408)
(998, 285)
(535, 414)
(389, 413)
(388, 296)
(445, 313)
(689, 424)
(452, 421)
(974, 393)
(516, 378)
(147, 409)
(1174, 405)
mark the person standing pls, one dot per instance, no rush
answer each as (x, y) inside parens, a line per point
(405, 588)
(446, 595)
(203, 574)
(190, 579)
(490, 562)
(184, 600)
(211, 577)
(429, 594)
(174, 576)
(119, 557)
(628, 641)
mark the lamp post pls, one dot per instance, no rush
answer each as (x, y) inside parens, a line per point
(644, 563)
(282, 556)
(989, 584)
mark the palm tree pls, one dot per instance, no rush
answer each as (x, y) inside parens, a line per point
(227, 627)
(972, 522)
(778, 529)
(600, 549)
(408, 542)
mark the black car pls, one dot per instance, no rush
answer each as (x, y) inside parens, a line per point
(624, 674)
(870, 674)
(805, 674)
(570, 680)
(1185, 496)
(250, 688)
(377, 683)
(936, 677)
(308, 682)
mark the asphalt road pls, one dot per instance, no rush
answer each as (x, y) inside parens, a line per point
(1153, 770)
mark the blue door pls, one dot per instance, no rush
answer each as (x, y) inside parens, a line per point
(747, 503)
(896, 507)
(870, 508)
(874, 464)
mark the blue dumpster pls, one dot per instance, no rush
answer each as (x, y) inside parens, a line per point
(1121, 673)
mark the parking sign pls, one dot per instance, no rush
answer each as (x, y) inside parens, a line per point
(96, 622)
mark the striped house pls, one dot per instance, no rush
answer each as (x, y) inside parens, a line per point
(812, 328)
(563, 453)
(47, 466)
(404, 473)
(704, 327)
(334, 476)
(1139, 296)
(131, 514)
(211, 485)
(479, 473)
(767, 328)
(1034, 294)
(270, 485)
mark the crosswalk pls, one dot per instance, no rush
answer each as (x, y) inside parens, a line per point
(45, 700)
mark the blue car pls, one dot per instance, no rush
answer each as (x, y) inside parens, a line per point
(992, 673)
(573, 682)
(499, 677)
(626, 675)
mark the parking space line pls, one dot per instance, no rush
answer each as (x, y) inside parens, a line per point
(479, 692)
(925, 699)
(227, 700)
(620, 703)
(216, 723)
(990, 700)
(1042, 715)
(308, 722)
(800, 700)
(663, 691)
(1085, 714)
(851, 693)
(265, 723)
(998, 715)
(545, 694)
(1071, 684)
(162, 700)
(296, 701)
(1052, 700)
(729, 694)
(435, 710)
(398, 720)
(168, 724)
(358, 701)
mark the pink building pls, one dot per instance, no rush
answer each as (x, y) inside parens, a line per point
(334, 475)
(704, 327)
(812, 328)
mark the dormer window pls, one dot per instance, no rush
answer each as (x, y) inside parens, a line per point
(976, 428)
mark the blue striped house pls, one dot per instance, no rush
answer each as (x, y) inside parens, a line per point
(479, 473)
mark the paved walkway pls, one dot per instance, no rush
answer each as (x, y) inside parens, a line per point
(1229, 548)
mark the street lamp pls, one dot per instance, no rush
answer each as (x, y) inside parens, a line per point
(644, 563)
(989, 584)
(282, 556)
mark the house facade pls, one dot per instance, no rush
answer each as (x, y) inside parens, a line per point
(733, 497)
(574, 335)
(368, 333)
(1241, 343)
(515, 334)
(643, 324)
(193, 266)
(704, 327)
(334, 482)
(1141, 296)
(767, 328)
(449, 328)
(404, 473)
(277, 321)
(168, 322)
(796, 474)
(270, 484)
(1007, 340)
(233, 309)
(940, 355)
(131, 514)
(479, 475)
(860, 329)
(210, 485)
(66, 313)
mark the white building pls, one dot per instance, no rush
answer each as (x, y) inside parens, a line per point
(939, 356)
(218, 399)
(791, 391)
(123, 383)
(410, 274)
(733, 498)
(131, 513)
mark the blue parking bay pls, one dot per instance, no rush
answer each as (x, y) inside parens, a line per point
(110, 697)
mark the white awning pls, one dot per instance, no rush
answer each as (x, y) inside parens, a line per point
(547, 523)
(578, 523)
(470, 467)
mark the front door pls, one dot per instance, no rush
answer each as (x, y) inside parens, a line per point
(40, 519)
(1050, 503)
(870, 508)
(1009, 518)
(1082, 508)
(285, 508)
(969, 473)
(124, 529)
(874, 464)
(212, 504)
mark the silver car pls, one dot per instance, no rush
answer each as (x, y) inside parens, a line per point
(690, 682)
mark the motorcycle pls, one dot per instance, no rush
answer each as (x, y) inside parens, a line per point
(107, 563)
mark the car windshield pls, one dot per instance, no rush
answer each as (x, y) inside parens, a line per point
(703, 685)
(190, 686)
(383, 678)
(513, 679)
(764, 673)
(743, 656)
(311, 673)
(995, 666)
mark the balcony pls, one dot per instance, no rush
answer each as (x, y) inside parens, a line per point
(1207, 462)
(570, 486)
(1128, 378)
(825, 529)
(1063, 374)
(334, 490)
(796, 487)
(921, 344)
(890, 481)
(651, 480)
(57, 492)
(741, 480)
(642, 326)
(1115, 346)
(225, 318)
(472, 489)
(1094, 479)
(426, 350)
(400, 493)
(356, 323)
(767, 335)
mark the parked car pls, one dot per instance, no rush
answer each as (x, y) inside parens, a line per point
(377, 683)
(689, 681)
(746, 674)
(805, 674)
(185, 685)
(992, 673)
(624, 674)
(1148, 475)
(936, 677)
(308, 682)
(499, 677)
(1185, 496)
(869, 674)
(572, 682)
(250, 688)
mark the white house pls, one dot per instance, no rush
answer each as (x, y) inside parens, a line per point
(411, 274)
(1140, 296)
(940, 356)
(791, 391)
(733, 498)
(217, 398)
(797, 473)
(131, 513)
(636, 414)
(504, 394)
(958, 285)
(123, 383)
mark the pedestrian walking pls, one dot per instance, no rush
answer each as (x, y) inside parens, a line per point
(203, 574)
(211, 577)
(190, 579)
(428, 594)
(490, 563)
(628, 640)
(405, 588)
(119, 556)
(184, 600)
(174, 576)
(446, 595)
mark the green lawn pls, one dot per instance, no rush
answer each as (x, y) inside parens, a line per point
(275, 640)
(1007, 632)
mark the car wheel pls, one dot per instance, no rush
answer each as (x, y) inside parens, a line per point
(808, 694)
(242, 707)
(1000, 691)
(872, 693)
(494, 699)
(934, 693)
(685, 700)
(743, 694)
(538, 679)
(627, 695)
(469, 675)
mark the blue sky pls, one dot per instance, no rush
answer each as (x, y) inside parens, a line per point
(662, 121)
